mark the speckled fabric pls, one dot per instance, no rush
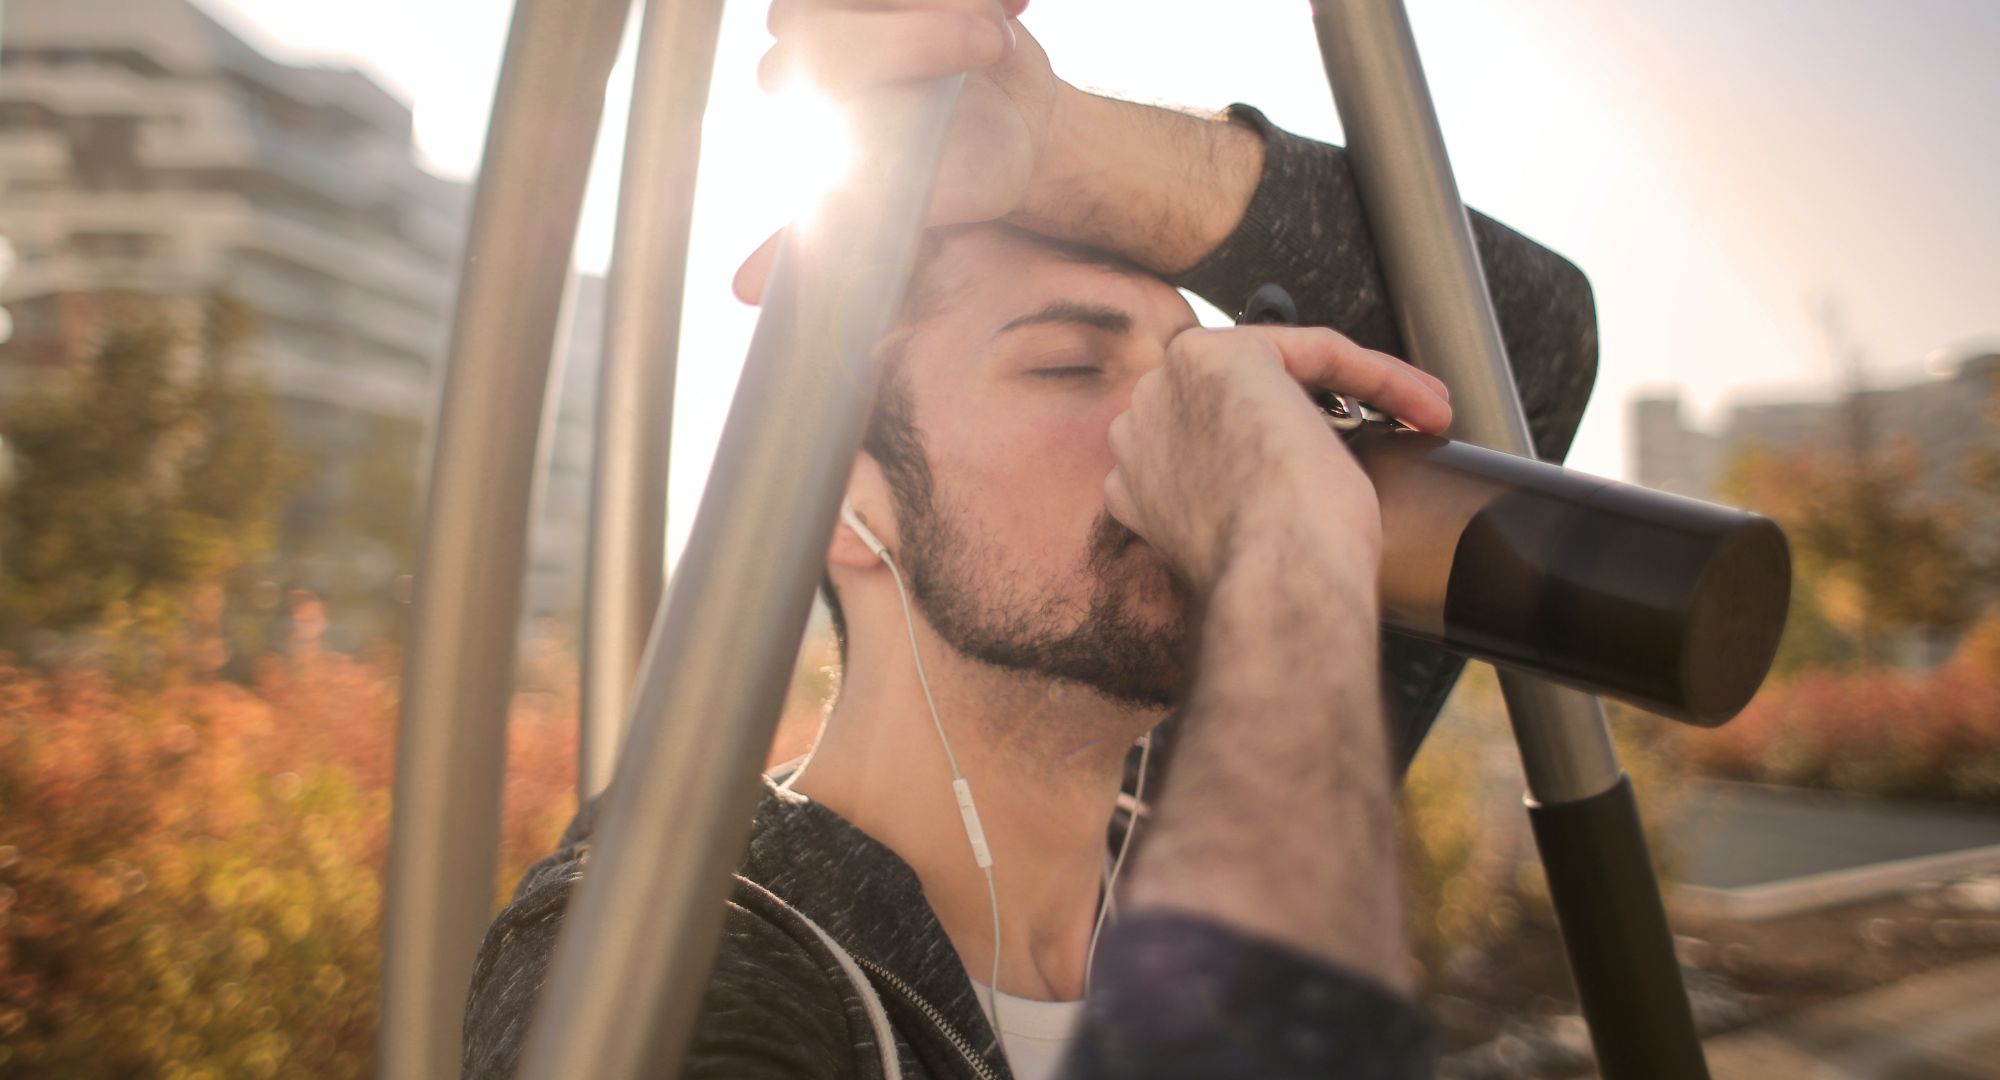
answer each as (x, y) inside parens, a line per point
(1254, 1010)
(1174, 997)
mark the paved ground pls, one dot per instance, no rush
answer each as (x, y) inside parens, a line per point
(1944, 1025)
(1747, 834)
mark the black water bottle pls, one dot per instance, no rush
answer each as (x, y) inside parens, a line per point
(1673, 604)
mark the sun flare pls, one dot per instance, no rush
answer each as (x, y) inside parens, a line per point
(819, 140)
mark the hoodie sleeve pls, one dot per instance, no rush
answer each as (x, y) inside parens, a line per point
(1184, 997)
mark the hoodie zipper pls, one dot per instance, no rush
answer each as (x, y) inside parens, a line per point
(958, 1042)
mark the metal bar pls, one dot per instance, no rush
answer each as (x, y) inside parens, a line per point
(626, 572)
(1602, 885)
(459, 673)
(1438, 288)
(634, 958)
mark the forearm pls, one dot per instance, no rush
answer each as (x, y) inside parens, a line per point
(1277, 816)
(1162, 188)
(1223, 206)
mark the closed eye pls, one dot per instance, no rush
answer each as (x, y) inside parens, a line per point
(1068, 372)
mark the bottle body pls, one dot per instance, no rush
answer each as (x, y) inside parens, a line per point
(1670, 603)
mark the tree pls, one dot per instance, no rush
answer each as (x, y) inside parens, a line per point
(1874, 557)
(1982, 481)
(152, 474)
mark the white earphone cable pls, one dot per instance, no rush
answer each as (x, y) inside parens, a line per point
(1124, 848)
(962, 789)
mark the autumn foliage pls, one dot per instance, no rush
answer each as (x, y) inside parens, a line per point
(1923, 735)
(191, 869)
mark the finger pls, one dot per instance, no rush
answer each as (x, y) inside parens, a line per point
(1121, 437)
(1325, 359)
(1146, 391)
(1118, 500)
(748, 285)
(784, 15)
(842, 52)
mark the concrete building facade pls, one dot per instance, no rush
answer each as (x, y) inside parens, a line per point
(1944, 419)
(147, 150)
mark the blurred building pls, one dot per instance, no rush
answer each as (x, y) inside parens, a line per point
(147, 149)
(1943, 419)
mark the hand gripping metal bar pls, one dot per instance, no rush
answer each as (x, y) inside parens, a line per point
(1612, 922)
(634, 957)
(626, 572)
(459, 672)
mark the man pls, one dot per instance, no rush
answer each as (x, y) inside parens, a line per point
(1075, 511)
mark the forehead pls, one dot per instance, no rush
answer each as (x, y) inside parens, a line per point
(988, 274)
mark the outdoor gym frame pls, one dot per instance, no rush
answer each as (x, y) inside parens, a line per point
(694, 699)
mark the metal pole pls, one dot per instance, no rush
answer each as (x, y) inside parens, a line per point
(626, 572)
(1614, 925)
(634, 957)
(459, 673)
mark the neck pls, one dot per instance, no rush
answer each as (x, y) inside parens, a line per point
(1044, 760)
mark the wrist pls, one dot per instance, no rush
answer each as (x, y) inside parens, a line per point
(1279, 595)
(1307, 538)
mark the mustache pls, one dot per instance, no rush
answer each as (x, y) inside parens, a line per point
(1108, 538)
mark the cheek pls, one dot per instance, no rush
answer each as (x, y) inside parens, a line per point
(1033, 481)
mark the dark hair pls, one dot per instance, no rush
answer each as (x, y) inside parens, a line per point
(893, 440)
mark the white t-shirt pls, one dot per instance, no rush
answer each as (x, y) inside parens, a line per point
(1034, 1033)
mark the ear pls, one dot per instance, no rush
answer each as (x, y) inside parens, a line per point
(868, 490)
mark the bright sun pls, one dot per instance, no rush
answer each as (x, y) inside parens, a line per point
(819, 145)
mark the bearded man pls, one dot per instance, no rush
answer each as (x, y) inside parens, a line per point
(1077, 512)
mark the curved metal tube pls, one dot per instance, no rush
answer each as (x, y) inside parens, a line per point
(626, 572)
(458, 676)
(634, 957)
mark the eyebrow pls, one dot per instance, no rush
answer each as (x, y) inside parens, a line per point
(1095, 316)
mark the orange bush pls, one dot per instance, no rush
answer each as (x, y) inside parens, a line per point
(1880, 732)
(190, 870)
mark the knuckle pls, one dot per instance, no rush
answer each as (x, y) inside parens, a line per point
(1198, 351)
(769, 67)
(1327, 339)
(1187, 342)
(1115, 494)
(780, 15)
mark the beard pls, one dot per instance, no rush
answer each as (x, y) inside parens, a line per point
(1112, 648)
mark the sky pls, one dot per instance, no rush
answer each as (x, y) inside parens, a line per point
(1735, 176)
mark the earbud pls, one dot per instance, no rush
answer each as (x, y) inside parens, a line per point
(861, 530)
